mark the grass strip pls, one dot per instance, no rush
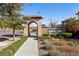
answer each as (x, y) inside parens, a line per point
(11, 50)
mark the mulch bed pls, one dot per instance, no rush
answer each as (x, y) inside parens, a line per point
(64, 51)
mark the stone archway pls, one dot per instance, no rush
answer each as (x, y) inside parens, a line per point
(35, 19)
(33, 29)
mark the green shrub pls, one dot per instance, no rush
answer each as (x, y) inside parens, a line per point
(47, 47)
(53, 53)
(65, 35)
(45, 34)
(52, 35)
(47, 37)
(11, 50)
(43, 38)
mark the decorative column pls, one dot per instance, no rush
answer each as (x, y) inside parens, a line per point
(39, 29)
(26, 30)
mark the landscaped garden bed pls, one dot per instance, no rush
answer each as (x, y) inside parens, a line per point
(11, 50)
(58, 47)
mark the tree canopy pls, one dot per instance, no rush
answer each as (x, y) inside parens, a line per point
(70, 23)
(10, 16)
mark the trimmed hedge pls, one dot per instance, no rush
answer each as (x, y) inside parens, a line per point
(11, 50)
(65, 35)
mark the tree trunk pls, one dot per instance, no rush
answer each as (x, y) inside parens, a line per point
(13, 32)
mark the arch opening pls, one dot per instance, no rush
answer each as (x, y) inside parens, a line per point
(33, 29)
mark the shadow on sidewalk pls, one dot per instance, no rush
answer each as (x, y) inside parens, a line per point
(8, 36)
(3, 39)
(11, 35)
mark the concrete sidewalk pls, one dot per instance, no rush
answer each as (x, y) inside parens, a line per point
(29, 48)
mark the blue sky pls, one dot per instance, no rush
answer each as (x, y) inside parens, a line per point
(51, 11)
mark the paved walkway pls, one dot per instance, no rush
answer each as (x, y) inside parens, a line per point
(29, 48)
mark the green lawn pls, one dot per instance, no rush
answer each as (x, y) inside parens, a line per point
(11, 50)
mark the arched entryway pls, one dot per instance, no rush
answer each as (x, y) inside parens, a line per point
(37, 30)
(33, 29)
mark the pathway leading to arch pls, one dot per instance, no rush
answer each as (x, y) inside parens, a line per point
(29, 48)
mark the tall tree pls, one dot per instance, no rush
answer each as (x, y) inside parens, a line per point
(10, 12)
(52, 24)
(69, 23)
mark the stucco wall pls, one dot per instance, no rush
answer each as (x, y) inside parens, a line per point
(44, 30)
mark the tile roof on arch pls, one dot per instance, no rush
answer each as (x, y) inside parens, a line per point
(32, 17)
